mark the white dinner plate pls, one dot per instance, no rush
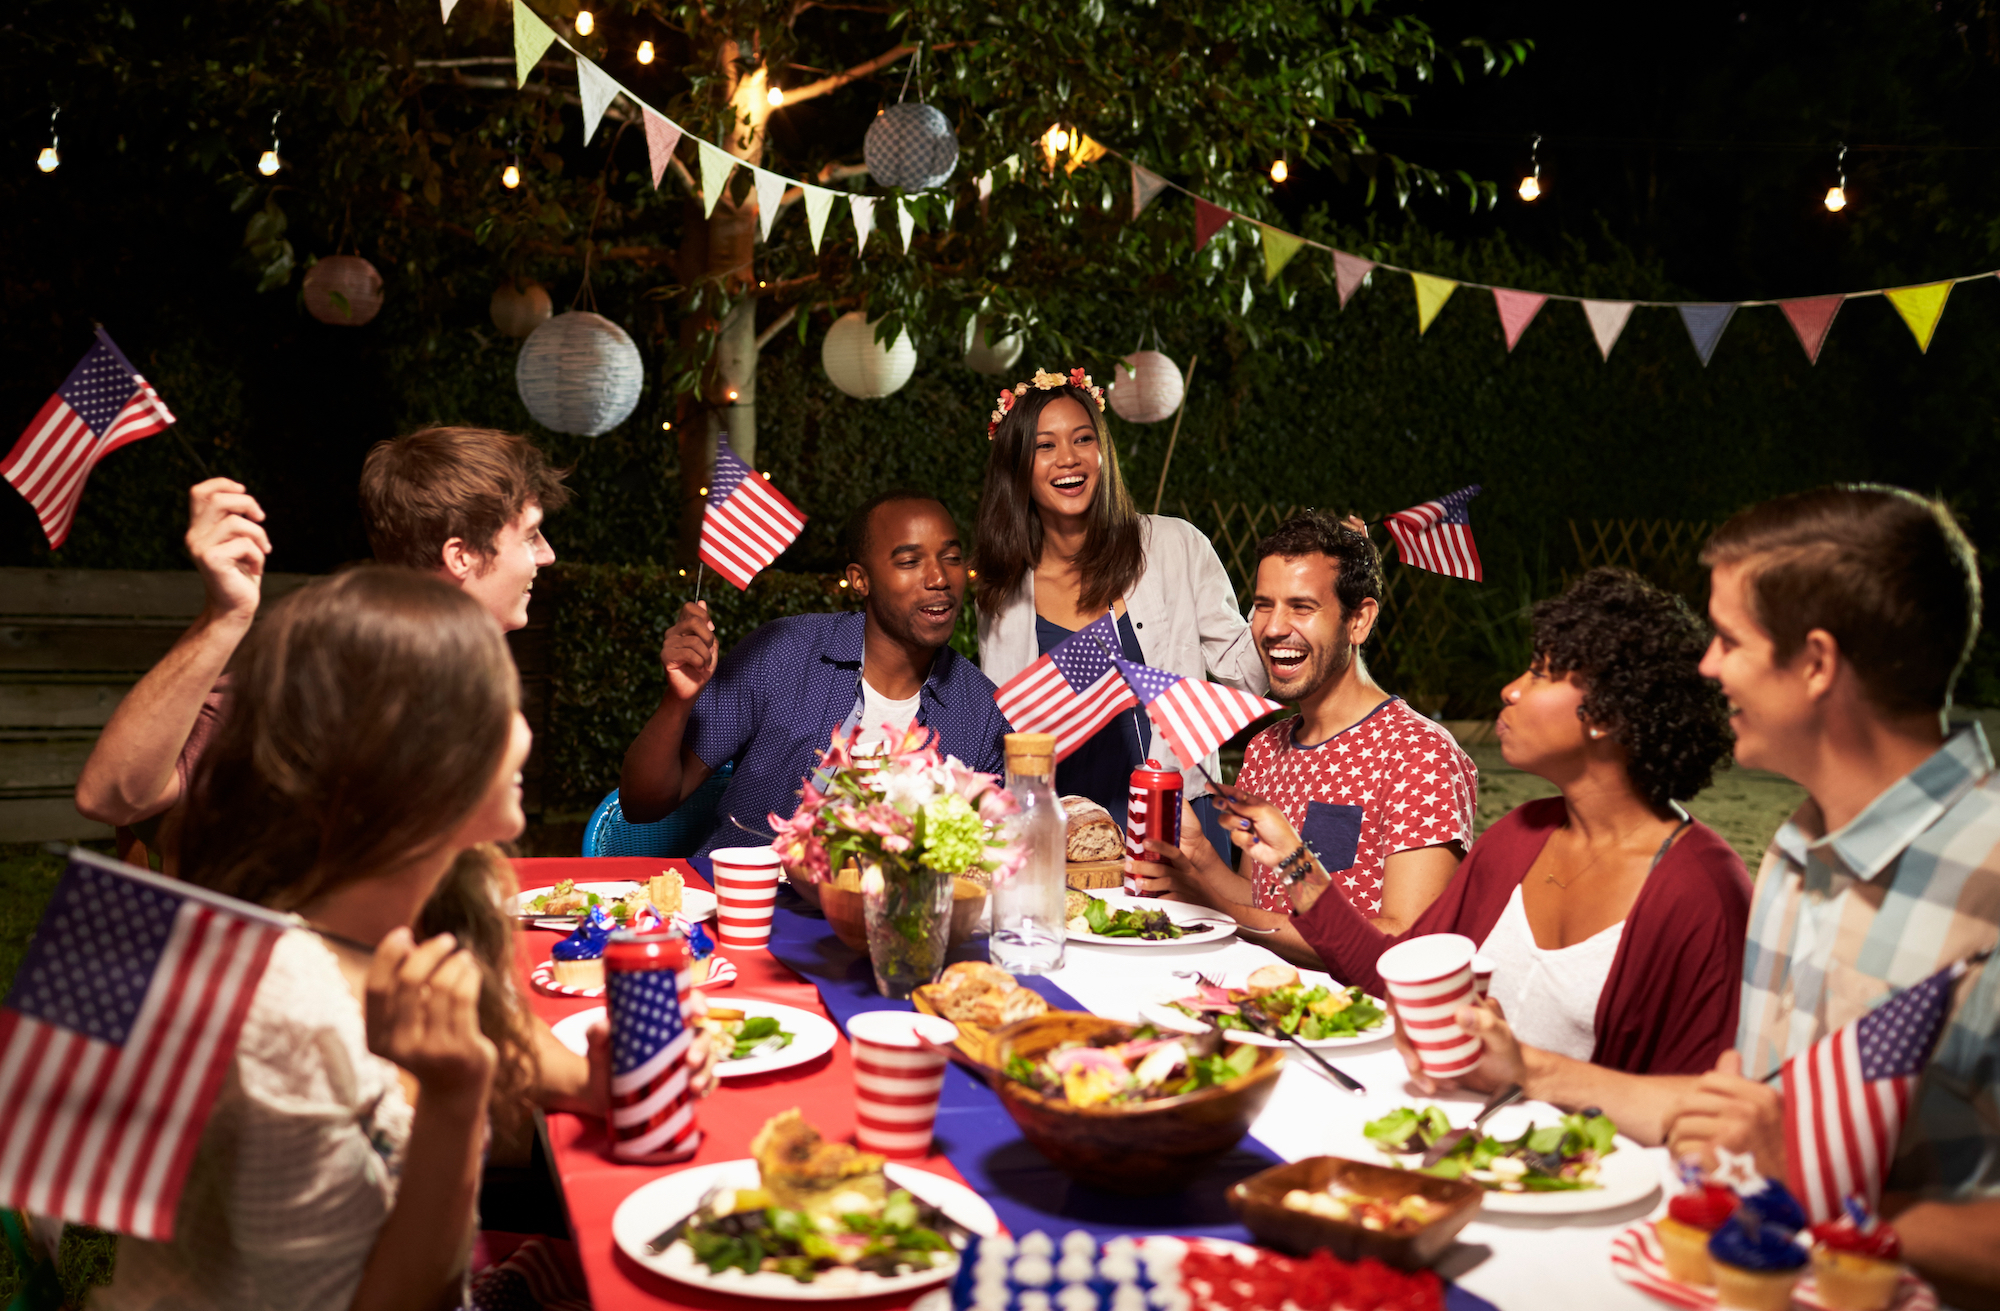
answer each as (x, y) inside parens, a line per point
(1626, 1176)
(696, 904)
(1160, 1011)
(664, 1202)
(1202, 925)
(812, 1037)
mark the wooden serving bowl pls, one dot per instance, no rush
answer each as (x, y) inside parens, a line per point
(1134, 1148)
(1260, 1200)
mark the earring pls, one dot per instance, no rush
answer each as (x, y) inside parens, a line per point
(1597, 732)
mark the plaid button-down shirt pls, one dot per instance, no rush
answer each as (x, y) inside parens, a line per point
(1842, 921)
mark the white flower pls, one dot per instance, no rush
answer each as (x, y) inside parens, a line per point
(907, 789)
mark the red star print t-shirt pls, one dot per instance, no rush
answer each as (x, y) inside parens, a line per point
(1395, 781)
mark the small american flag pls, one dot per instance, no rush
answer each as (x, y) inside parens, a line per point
(1847, 1095)
(1437, 536)
(1195, 715)
(747, 523)
(652, 1100)
(115, 1039)
(1072, 691)
(103, 404)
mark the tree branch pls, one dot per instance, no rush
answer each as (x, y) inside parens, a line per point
(812, 90)
(778, 325)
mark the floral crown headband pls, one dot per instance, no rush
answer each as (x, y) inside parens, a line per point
(1044, 381)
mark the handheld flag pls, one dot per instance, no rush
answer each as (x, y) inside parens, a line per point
(1847, 1095)
(116, 1037)
(747, 523)
(103, 404)
(1194, 715)
(1072, 691)
(1437, 536)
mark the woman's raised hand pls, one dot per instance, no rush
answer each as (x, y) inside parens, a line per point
(423, 1014)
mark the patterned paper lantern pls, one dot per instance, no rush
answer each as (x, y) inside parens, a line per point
(989, 356)
(344, 290)
(860, 366)
(518, 308)
(910, 146)
(1145, 387)
(579, 373)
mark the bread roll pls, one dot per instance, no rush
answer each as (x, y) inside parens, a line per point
(1093, 834)
(1004, 1006)
(1269, 978)
(664, 891)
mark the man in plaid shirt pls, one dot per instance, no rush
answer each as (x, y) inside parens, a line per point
(1842, 619)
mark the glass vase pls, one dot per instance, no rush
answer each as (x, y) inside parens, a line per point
(909, 926)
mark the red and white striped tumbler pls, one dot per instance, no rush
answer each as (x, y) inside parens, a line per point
(746, 888)
(899, 1061)
(1428, 979)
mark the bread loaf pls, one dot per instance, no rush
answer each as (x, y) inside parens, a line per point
(1093, 834)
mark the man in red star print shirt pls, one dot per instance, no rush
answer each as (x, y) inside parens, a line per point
(1383, 796)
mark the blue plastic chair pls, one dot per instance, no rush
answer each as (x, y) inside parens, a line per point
(681, 833)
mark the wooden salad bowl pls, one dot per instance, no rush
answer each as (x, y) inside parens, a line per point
(1134, 1148)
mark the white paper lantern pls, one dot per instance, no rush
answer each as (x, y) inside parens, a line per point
(1145, 387)
(519, 308)
(860, 366)
(344, 290)
(990, 356)
(910, 146)
(579, 373)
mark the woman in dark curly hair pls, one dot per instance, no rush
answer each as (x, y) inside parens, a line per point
(1614, 921)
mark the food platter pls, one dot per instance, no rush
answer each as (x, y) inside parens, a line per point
(1159, 1010)
(813, 1036)
(1637, 1259)
(696, 903)
(664, 1202)
(1200, 925)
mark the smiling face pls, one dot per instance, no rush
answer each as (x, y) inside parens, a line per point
(912, 572)
(1539, 727)
(503, 581)
(1769, 703)
(1068, 460)
(1307, 642)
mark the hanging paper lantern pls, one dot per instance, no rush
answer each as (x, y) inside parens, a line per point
(860, 366)
(344, 290)
(579, 373)
(910, 146)
(1145, 387)
(993, 357)
(518, 308)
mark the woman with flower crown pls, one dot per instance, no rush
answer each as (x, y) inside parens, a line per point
(1061, 544)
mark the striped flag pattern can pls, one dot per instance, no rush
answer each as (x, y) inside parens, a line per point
(899, 1060)
(1428, 979)
(746, 890)
(647, 979)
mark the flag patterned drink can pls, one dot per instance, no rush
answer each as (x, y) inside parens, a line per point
(648, 978)
(1152, 813)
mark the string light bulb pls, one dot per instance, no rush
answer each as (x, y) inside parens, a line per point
(510, 176)
(267, 163)
(645, 52)
(1531, 185)
(584, 22)
(668, 426)
(1280, 170)
(50, 158)
(1058, 138)
(776, 97)
(1836, 196)
(704, 491)
(732, 393)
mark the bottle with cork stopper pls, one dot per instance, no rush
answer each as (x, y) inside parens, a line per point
(1028, 908)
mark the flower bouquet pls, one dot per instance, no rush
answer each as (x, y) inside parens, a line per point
(912, 823)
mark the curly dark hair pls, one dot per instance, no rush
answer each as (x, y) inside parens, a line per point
(1635, 649)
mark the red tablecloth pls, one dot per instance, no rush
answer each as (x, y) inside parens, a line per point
(593, 1184)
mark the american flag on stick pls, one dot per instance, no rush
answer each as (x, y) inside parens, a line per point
(1437, 536)
(747, 523)
(103, 404)
(1072, 691)
(115, 1038)
(1195, 716)
(1847, 1095)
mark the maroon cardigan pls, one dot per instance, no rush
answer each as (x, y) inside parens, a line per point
(1669, 1003)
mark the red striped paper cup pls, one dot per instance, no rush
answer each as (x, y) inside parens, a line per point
(1428, 979)
(899, 1060)
(746, 888)
(1482, 974)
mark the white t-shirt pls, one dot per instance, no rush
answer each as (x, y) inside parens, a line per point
(878, 710)
(1549, 993)
(298, 1166)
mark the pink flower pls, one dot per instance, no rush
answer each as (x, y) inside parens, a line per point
(914, 749)
(1078, 378)
(895, 844)
(840, 751)
(998, 805)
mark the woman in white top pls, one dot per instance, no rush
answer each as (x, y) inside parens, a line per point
(1061, 545)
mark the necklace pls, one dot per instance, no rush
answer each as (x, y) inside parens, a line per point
(1658, 856)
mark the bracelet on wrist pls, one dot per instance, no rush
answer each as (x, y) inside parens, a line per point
(1295, 867)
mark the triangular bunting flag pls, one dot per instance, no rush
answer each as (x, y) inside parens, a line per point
(1811, 317)
(1517, 311)
(1705, 324)
(716, 166)
(448, 5)
(1279, 247)
(598, 91)
(1432, 293)
(819, 204)
(770, 195)
(1087, 150)
(532, 38)
(1146, 184)
(906, 222)
(1607, 320)
(1349, 272)
(1921, 308)
(1208, 220)
(863, 208)
(661, 138)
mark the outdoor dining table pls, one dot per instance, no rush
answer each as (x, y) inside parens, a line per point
(1509, 1261)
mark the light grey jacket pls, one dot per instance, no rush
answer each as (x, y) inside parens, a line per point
(1183, 611)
